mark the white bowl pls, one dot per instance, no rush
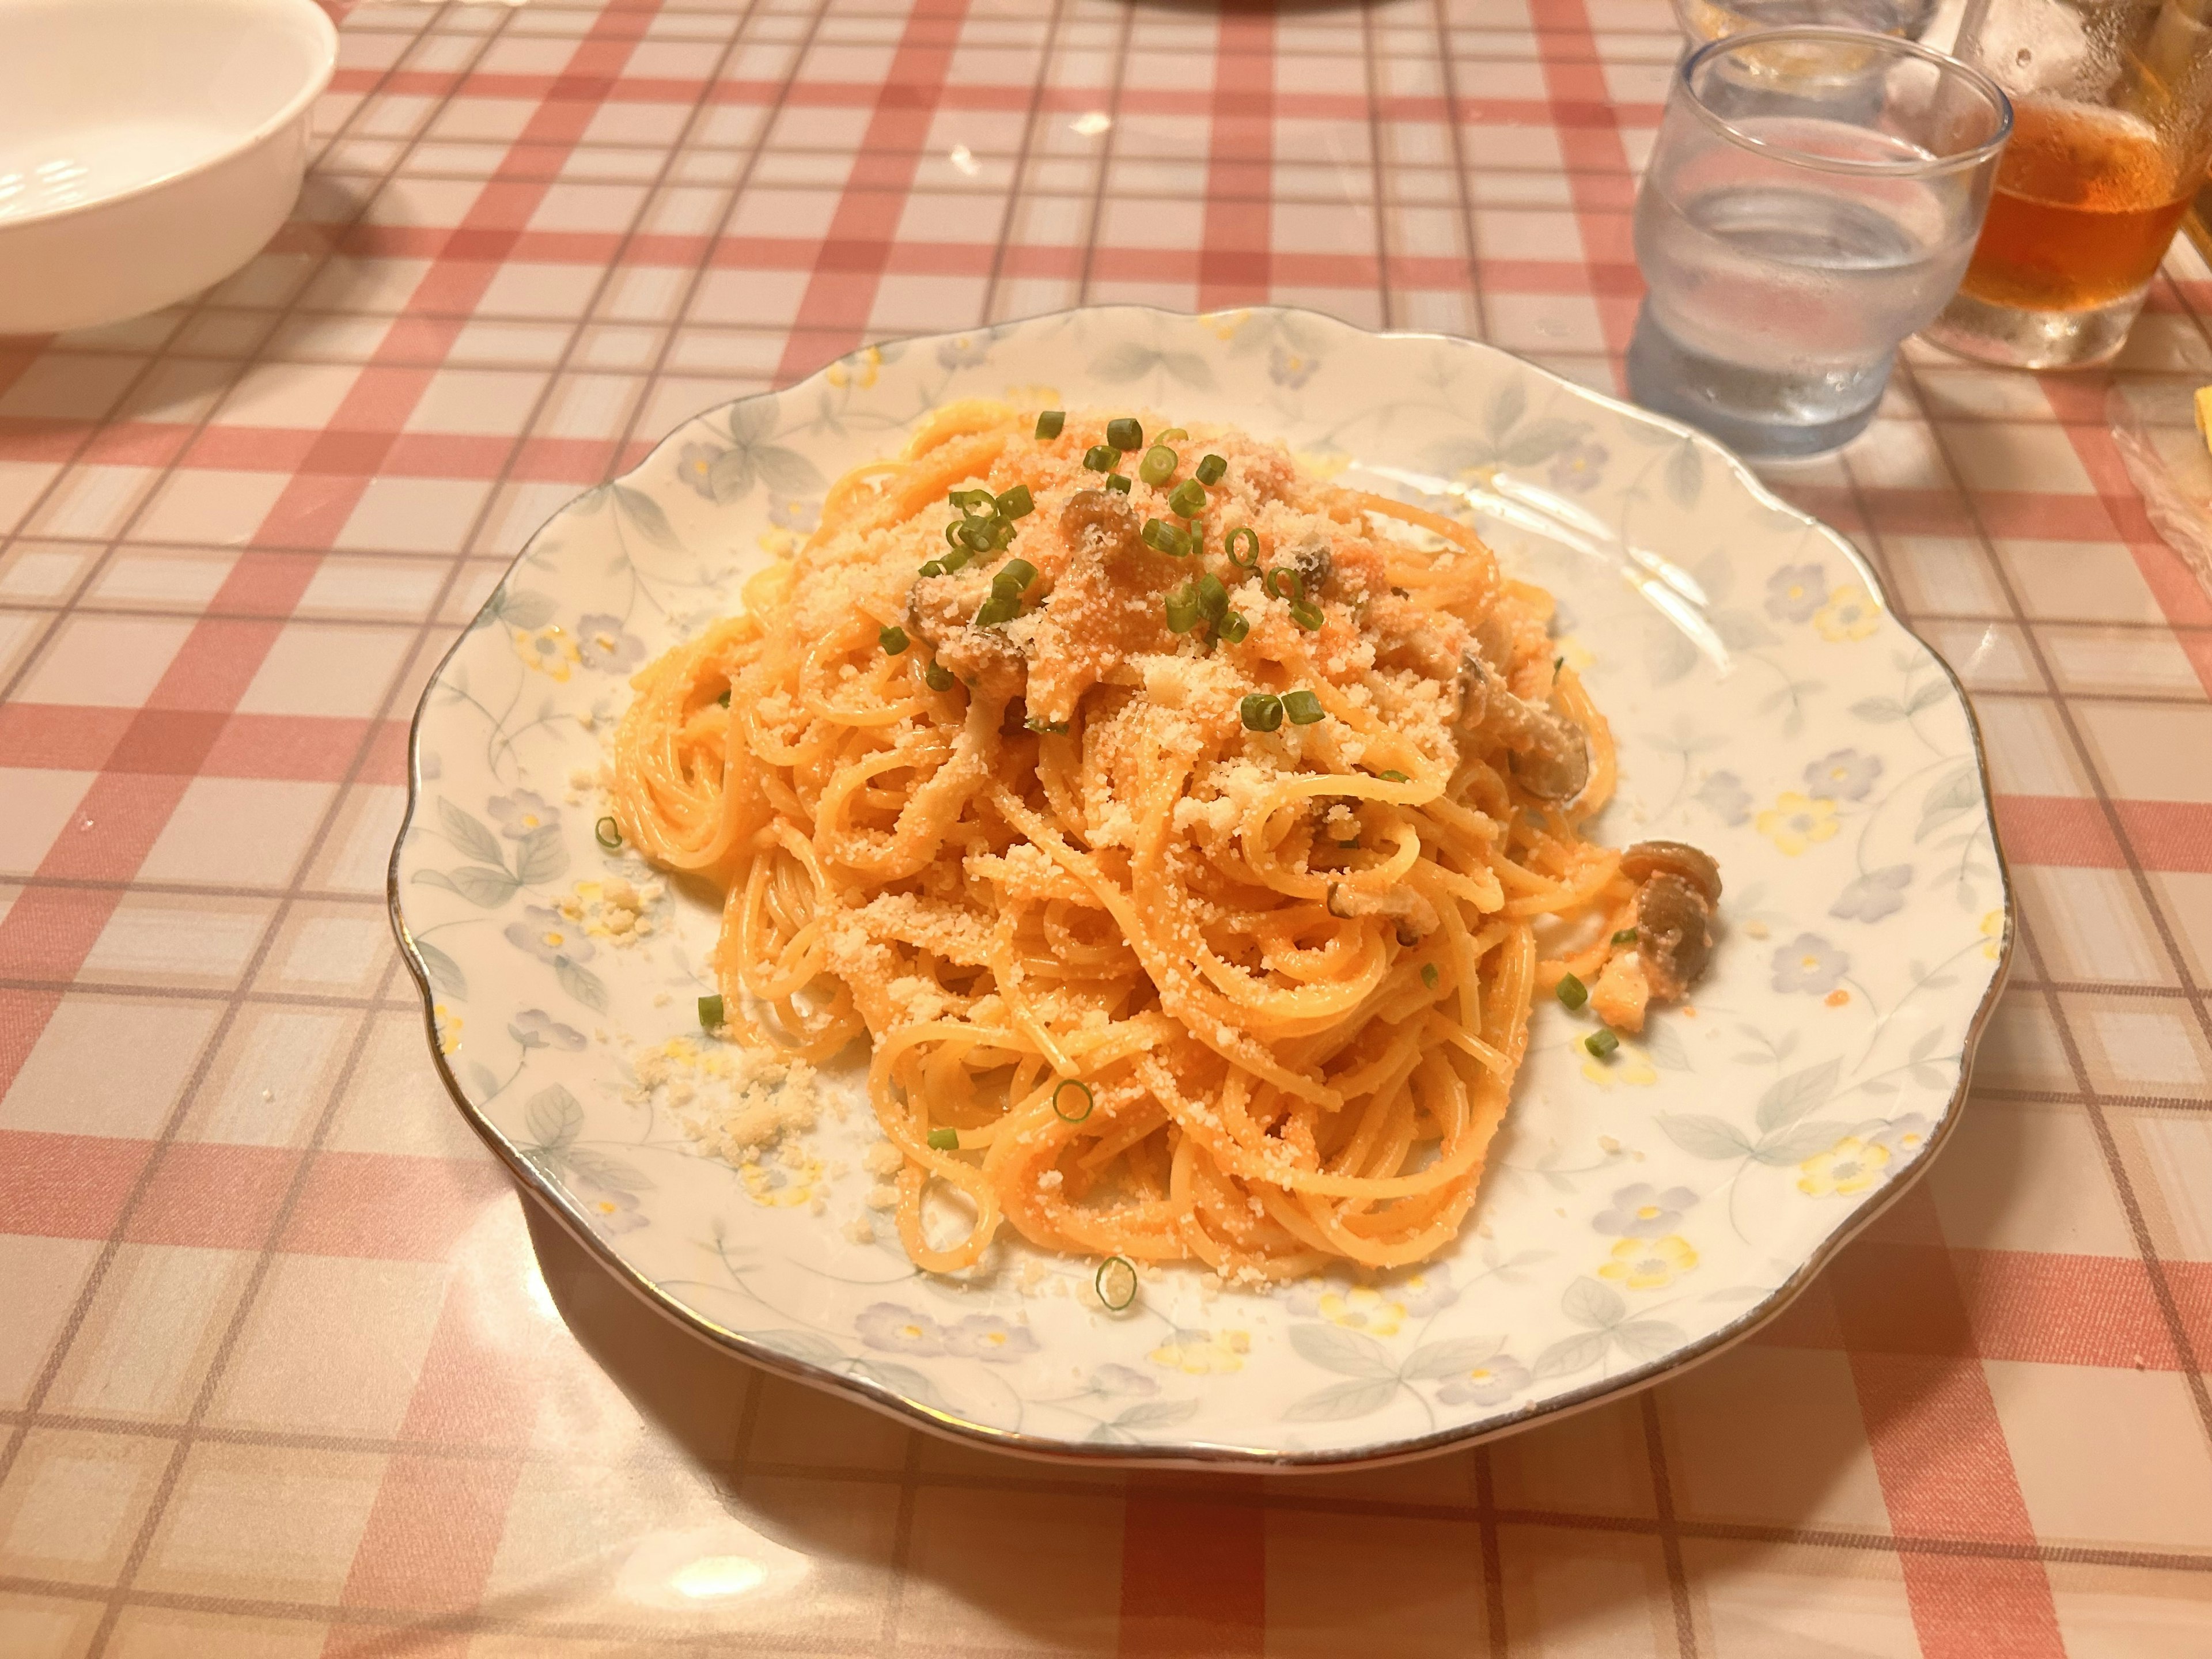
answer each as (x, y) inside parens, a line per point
(148, 148)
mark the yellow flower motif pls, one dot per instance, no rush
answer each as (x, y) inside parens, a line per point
(1852, 1165)
(781, 1185)
(1629, 1065)
(1650, 1264)
(1223, 325)
(1038, 397)
(1796, 822)
(1203, 1353)
(1850, 614)
(1323, 462)
(863, 377)
(548, 650)
(1993, 931)
(779, 543)
(449, 1028)
(1362, 1308)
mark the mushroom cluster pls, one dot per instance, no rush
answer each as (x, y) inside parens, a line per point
(1677, 889)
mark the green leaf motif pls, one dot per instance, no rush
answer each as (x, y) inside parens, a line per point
(445, 973)
(581, 984)
(730, 475)
(1506, 410)
(1662, 1045)
(1879, 710)
(787, 472)
(477, 1077)
(469, 835)
(1540, 441)
(1934, 691)
(1704, 1137)
(1156, 1414)
(553, 1117)
(1686, 474)
(900, 1379)
(1791, 1098)
(1123, 361)
(1594, 1302)
(1437, 1359)
(1647, 1339)
(646, 514)
(1348, 1354)
(1789, 1146)
(1955, 792)
(525, 610)
(1341, 1402)
(541, 857)
(803, 1345)
(488, 889)
(602, 1171)
(1570, 1354)
(1188, 368)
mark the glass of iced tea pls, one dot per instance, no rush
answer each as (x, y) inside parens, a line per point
(2111, 130)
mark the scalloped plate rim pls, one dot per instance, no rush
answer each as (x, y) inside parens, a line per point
(1199, 1453)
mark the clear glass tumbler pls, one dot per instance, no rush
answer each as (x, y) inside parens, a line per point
(1812, 199)
(1713, 19)
(2112, 127)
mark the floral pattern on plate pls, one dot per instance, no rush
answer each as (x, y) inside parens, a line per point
(1639, 1211)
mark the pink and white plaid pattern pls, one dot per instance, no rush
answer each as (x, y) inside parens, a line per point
(279, 1373)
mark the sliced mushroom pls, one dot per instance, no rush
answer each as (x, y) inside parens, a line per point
(1647, 859)
(1549, 753)
(1102, 515)
(1416, 917)
(1313, 560)
(1673, 935)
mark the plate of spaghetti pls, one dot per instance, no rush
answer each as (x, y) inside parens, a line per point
(1220, 889)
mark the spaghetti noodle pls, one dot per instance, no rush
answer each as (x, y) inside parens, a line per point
(1178, 826)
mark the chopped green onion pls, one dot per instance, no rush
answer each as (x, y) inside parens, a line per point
(1210, 468)
(1099, 458)
(1159, 464)
(936, 678)
(944, 1141)
(1262, 711)
(724, 700)
(1302, 708)
(1232, 628)
(1251, 538)
(893, 640)
(1115, 1282)
(1182, 609)
(1057, 727)
(1393, 775)
(1625, 936)
(1020, 572)
(934, 568)
(1188, 498)
(608, 834)
(710, 1013)
(966, 499)
(1212, 597)
(1118, 482)
(999, 608)
(1163, 538)
(1284, 583)
(975, 534)
(1573, 992)
(1016, 503)
(1125, 435)
(1601, 1043)
(1049, 423)
(957, 559)
(1170, 435)
(1072, 1108)
(1307, 615)
(1430, 976)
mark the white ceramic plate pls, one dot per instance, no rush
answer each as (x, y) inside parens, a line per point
(1637, 1215)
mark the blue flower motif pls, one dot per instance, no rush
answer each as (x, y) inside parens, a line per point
(609, 1209)
(604, 647)
(548, 935)
(797, 513)
(695, 464)
(519, 813)
(985, 1336)
(1290, 368)
(1810, 964)
(1874, 895)
(894, 1329)
(961, 351)
(533, 1027)
(1644, 1212)
(1426, 1290)
(1493, 1383)
(1842, 774)
(1904, 1138)
(1579, 466)
(1724, 792)
(1795, 592)
(1120, 1379)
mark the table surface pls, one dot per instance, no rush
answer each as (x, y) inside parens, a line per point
(280, 1373)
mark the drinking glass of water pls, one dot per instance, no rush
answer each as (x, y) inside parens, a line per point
(1812, 199)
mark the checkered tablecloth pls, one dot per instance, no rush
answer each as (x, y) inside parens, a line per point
(280, 1372)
